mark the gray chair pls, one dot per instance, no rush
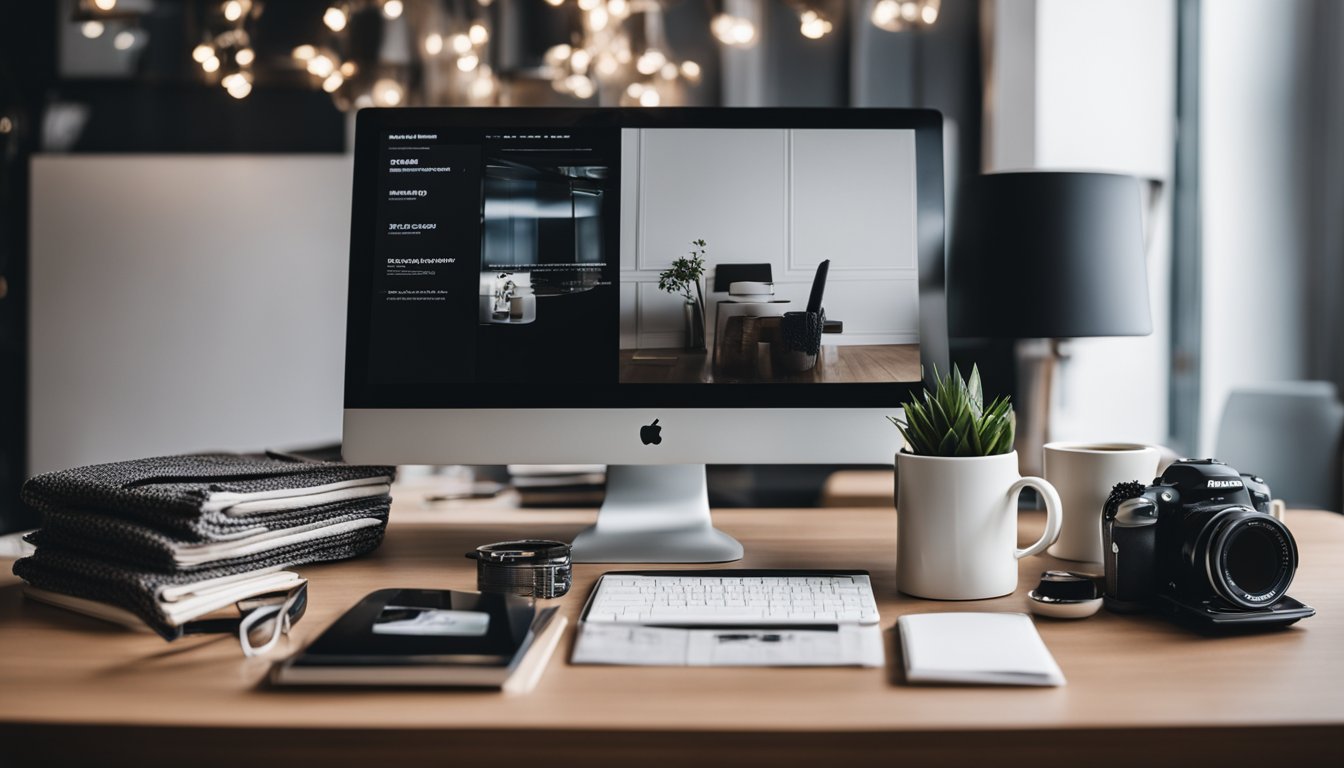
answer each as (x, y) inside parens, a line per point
(1289, 434)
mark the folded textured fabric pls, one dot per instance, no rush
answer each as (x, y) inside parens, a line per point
(205, 495)
(125, 542)
(192, 600)
(173, 537)
(217, 526)
(152, 595)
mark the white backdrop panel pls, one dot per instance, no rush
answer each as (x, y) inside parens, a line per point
(868, 222)
(182, 303)
(724, 186)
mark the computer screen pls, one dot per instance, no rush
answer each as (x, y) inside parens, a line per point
(641, 287)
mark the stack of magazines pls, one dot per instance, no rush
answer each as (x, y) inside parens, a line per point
(170, 539)
(559, 485)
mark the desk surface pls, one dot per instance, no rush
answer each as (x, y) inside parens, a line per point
(1137, 685)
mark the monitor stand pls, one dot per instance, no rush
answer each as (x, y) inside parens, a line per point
(655, 514)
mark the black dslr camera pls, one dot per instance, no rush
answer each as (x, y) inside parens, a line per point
(1201, 545)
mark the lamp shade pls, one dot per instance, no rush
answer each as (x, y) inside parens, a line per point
(1048, 255)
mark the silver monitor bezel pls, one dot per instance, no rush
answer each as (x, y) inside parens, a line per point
(829, 423)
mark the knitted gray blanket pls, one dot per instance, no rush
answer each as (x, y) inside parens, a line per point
(117, 533)
(173, 493)
(120, 541)
(138, 590)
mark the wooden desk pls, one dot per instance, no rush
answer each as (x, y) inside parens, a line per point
(74, 691)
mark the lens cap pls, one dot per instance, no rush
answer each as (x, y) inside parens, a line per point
(1066, 595)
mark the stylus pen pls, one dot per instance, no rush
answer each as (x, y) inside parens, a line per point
(750, 627)
(738, 637)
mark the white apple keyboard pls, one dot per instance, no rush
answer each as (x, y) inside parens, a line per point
(733, 597)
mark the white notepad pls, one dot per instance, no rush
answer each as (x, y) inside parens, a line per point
(977, 648)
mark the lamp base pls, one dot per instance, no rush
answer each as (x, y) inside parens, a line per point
(1037, 361)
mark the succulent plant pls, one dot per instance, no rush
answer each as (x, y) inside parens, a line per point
(952, 420)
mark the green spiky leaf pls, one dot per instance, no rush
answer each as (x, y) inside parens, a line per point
(953, 420)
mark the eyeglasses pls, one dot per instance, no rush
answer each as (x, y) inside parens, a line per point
(263, 620)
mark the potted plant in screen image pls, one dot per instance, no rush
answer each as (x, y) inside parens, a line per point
(683, 278)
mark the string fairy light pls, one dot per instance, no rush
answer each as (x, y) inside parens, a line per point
(617, 51)
(226, 55)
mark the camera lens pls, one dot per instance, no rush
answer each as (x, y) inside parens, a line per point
(1251, 558)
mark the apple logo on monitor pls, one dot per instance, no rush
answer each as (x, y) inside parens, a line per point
(651, 433)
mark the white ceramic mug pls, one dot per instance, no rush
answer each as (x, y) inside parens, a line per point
(956, 524)
(1084, 474)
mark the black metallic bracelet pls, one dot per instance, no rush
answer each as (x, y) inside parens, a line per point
(532, 568)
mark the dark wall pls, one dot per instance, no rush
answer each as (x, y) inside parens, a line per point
(27, 33)
(165, 106)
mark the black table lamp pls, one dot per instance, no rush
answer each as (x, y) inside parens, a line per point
(1047, 255)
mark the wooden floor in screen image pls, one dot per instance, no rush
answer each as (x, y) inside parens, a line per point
(849, 364)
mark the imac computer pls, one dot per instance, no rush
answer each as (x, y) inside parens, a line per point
(506, 303)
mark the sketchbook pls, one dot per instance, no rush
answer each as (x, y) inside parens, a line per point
(976, 648)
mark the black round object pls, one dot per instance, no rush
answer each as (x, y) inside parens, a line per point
(1066, 585)
(521, 552)
(530, 568)
(1252, 564)
(1250, 558)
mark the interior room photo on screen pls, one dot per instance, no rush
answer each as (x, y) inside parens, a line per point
(771, 205)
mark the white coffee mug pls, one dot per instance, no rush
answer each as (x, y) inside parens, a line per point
(1084, 474)
(956, 525)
